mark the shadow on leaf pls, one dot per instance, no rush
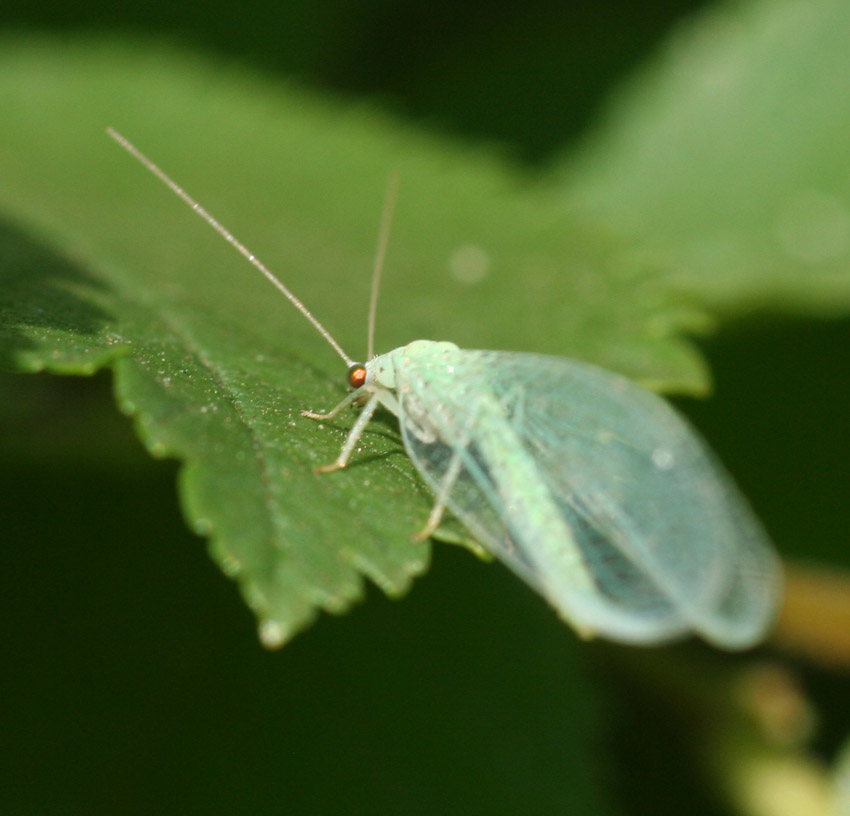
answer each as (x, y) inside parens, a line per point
(50, 308)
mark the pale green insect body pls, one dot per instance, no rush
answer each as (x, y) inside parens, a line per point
(592, 489)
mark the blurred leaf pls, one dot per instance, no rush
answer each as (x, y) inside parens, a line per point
(300, 180)
(842, 782)
(727, 160)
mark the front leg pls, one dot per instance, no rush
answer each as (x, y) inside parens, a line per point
(353, 435)
(335, 410)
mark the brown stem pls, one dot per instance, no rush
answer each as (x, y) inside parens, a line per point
(815, 618)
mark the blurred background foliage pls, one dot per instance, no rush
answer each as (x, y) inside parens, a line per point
(528, 78)
(134, 682)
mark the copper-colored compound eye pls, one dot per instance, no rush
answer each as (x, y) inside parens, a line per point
(357, 375)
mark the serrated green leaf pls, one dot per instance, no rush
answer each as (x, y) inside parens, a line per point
(199, 391)
(213, 366)
(727, 160)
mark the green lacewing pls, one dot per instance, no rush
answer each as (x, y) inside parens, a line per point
(590, 488)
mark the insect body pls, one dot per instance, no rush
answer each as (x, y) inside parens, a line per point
(592, 489)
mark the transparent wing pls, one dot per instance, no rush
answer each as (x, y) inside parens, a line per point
(593, 490)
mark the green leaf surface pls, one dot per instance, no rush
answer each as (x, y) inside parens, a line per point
(211, 363)
(201, 392)
(727, 160)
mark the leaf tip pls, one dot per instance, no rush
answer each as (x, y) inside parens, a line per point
(273, 634)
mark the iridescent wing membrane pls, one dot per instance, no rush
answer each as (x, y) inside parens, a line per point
(592, 489)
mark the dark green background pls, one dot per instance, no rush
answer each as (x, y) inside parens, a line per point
(528, 76)
(133, 680)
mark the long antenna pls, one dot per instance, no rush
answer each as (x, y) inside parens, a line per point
(383, 240)
(228, 236)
